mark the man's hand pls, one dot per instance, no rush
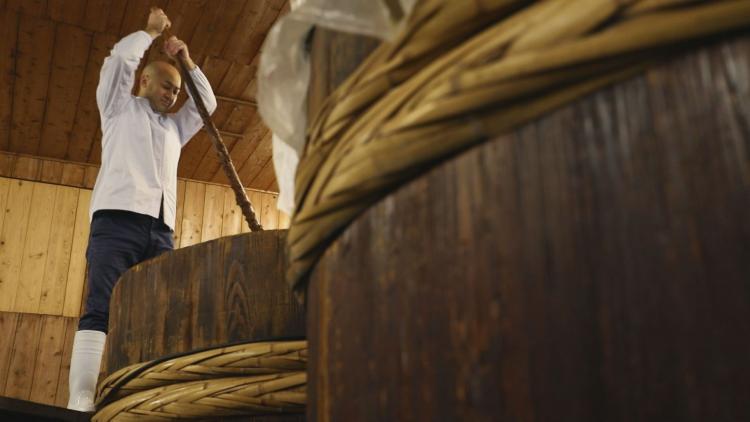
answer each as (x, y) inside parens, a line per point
(174, 46)
(157, 22)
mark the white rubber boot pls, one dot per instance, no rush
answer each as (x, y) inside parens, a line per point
(88, 347)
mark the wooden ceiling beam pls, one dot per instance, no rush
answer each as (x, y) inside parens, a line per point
(239, 101)
(229, 134)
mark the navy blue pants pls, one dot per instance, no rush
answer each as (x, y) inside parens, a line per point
(118, 240)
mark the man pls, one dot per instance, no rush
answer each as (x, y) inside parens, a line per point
(133, 203)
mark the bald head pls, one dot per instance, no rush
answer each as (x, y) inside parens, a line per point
(160, 84)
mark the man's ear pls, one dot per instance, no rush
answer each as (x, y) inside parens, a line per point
(144, 79)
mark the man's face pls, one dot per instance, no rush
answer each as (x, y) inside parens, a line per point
(160, 84)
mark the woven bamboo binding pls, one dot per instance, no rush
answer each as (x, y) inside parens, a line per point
(463, 72)
(247, 379)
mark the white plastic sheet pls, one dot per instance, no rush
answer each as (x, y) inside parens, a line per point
(284, 72)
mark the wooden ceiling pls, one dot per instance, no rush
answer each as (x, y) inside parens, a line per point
(51, 52)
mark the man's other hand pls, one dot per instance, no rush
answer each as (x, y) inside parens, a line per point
(174, 46)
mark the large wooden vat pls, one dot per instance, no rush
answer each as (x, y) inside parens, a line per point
(223, 291)
(592, 265)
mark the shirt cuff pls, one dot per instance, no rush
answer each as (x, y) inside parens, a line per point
(146, 35)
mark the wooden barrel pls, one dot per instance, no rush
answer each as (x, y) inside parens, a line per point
(592, 265)
(223, 291)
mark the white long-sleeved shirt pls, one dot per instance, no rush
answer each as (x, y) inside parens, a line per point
(140, 147)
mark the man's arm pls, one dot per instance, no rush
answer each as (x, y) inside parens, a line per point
(187, 118)
(118, 71)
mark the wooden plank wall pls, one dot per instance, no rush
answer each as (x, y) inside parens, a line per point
(43, 265)
(42, 254)
(35, 356)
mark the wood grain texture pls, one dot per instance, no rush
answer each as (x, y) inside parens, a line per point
(77, 267)
(66, 78)
(31, 83)
(35, 249)
(8, 329)
(23, 357)
(591, 265)
(177, 237)
(56, 268)
(61, 397)
(266, 175)
(116, 9)
(250, 169)
(213, 209)
(28, 7)
(222, 28)
(232, 217)
(35, 357)
(51, 171)
(86, 121)
(74, 175)
(192, 214)
(269, 213)
(6, 164)
(4, 191)
(26, 167)
(226, 290)
(48, 360)
(136, 13)
(8, 37)
(249, 18)
(89, 177)
(68, 12)
(42, 263)
(12, 239)
(96, 13)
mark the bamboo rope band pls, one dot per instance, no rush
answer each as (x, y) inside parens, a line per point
(245, 379)
(259, 395)
(463, 72)
(221, 149)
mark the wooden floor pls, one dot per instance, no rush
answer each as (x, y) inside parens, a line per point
(12, 410)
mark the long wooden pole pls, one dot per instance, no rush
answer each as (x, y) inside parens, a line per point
(221, 149)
